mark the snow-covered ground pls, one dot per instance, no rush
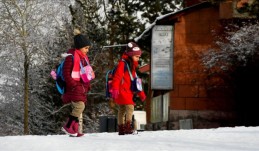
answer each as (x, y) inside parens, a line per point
(220, 139)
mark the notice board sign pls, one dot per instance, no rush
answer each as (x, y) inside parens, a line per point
(162, 57)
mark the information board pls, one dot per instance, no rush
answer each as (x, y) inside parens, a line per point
(162, 57)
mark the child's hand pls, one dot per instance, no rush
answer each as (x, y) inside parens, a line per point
(142, 96)
(115, 94)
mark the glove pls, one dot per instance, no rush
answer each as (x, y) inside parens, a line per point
(142, 96)
(115, 94)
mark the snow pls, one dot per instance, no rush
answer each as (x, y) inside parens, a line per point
(150, 26)
(220, 139)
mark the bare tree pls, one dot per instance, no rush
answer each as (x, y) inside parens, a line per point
(26, 27)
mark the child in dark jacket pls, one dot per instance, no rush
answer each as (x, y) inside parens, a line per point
(76, 89)
(121, 88)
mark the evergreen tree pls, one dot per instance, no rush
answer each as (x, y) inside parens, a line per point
(156, 8)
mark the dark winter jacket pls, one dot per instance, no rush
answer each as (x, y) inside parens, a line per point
(75, 90)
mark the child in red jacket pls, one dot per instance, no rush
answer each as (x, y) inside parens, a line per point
(121, 87)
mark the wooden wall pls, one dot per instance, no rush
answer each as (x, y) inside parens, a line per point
(207, 100)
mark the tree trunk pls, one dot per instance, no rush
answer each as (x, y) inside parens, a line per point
(26, 97)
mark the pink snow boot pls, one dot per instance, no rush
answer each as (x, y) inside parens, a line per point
(68, 127)
(75, 127)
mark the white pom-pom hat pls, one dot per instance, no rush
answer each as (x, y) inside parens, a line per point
(133, 49)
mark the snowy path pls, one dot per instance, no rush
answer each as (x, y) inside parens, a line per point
(221, 139)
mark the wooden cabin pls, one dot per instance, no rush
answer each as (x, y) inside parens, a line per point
(181, 94)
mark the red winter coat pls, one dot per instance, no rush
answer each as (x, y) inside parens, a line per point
(121, 81)
(75, 90)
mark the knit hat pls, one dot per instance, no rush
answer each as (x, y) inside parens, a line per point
(80, 40)
(133, 49)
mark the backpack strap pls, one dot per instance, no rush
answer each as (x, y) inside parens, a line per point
(81, 65)
(125, 67)
(87, 62)
(131, 77)
(64, 55)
